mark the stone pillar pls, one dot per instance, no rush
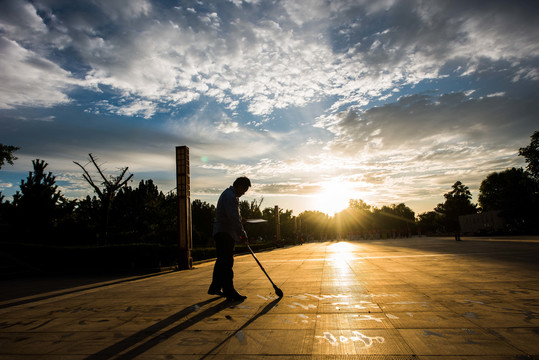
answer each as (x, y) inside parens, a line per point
(277, 223)
(183, 186)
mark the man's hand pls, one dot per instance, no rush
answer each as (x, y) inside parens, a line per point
(244, 239)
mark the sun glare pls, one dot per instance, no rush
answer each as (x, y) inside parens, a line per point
(334, 197)
(341, 253)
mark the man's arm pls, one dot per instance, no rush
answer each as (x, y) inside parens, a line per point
(234, 216)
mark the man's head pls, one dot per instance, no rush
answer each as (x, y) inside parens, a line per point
(241, 185)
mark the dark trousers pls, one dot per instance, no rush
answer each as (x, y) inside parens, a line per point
(223, 274)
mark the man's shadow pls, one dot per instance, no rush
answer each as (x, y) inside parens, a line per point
(146, 333)
(141, 336)
(266, 308)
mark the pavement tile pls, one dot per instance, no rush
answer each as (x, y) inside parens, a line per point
(475, 357)
(503, 319)
(524, 339)
(360, 342)
(136, 323)
(307, 357)
(188, 342)
(292, 304)
(88, 324)
(457, 341)
(427, 320)
(398, 305)
(283, 322)
(353, 321)
(165, 357)
(31, 324)
(43, 357)
(269, 342)
(16, 343)
(481, 304)
(102, 343)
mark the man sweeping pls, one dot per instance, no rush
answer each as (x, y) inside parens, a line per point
(228, 229)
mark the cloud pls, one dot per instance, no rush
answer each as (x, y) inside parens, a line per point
(20, 20)
(4, 185)
(422, 121)
(228, 127)
(125, 9)
(213, 134)
(30, 80)
(137, 107)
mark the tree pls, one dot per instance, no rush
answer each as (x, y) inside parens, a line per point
(251, 210)
(88, 219)
(143, 214)
(203, 215)
(457, 203)
(359, 205)
(112, 185)
(314, 224)
(356, 219)
(430, 222)
(396, 218)
(37, 202)
(287, 223)
(6, 154)
(515, 193)
(531, 154)
(268, 230)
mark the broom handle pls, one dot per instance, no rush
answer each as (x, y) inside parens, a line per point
(259, 264)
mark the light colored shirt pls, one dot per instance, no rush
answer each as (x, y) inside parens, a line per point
(227, 215)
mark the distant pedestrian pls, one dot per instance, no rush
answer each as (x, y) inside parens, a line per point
(227, 229)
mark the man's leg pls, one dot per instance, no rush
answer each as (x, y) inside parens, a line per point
(223, 275)
(222, 270)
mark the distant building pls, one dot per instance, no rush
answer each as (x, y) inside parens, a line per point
(487, 222)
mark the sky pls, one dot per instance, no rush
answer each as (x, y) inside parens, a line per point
(317, 102)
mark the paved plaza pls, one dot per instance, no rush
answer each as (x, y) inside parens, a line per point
(419, 298)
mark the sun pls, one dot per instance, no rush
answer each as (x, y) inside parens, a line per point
(334, 197)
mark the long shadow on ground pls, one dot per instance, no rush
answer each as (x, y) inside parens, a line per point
(262, 312)
(142, 335)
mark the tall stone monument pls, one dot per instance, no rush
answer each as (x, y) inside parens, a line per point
(183, 186)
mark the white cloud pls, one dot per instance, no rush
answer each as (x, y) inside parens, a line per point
(497, 94)
(30, 80)
(36, 118)
(124, 9)
(413, 120)
(20, 20)
(4, 185)
(137, 107)
(228, 127)
(306, 11)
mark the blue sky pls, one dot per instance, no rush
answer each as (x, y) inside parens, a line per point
(316, 101)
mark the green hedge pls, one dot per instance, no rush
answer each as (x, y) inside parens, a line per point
(106, 259)
(92, 259)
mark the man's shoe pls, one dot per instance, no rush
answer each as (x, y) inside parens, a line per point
(235, 296)
(215, 292)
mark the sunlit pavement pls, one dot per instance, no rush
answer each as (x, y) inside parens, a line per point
(418, 298)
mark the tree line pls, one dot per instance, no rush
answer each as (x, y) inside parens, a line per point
(118, 213)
